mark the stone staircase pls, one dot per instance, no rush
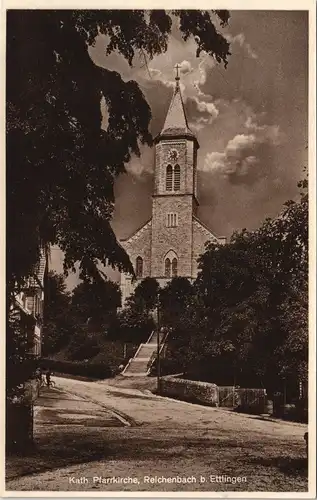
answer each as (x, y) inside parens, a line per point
(138, 365)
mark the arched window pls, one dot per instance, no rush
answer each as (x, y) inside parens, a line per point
(139, 267)
(169, 178)
(167, 268)
(174, 267)
(177, 178)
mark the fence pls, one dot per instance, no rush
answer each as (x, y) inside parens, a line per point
(227, 397)
(243, 399)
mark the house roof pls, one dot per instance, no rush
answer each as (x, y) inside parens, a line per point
(37, 280)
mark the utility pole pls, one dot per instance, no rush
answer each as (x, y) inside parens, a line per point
(158, 352)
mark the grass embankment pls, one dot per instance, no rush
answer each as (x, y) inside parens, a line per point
(140, 383)
(102, 365)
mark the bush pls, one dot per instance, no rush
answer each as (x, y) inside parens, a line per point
(115, 353)
(87, 350)
(83, 345)
(168, 366)
(302, 410)
(93, 370)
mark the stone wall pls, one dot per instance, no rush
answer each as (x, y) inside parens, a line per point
(189, 390)
(138, 245)
(187, 158)
(201, 235)
(177, 239)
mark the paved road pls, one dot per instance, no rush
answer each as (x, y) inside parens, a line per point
(59, 408)
(139, 442)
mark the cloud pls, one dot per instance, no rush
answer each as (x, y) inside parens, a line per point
(185, 67)
(200, 75)
(244, 156)
(142, 166)
(271, 133)
(241, 41)
(201, 113)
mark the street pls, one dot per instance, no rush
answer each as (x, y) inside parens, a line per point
(93, 436)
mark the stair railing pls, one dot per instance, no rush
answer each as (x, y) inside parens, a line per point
(150, 337)
(154, 354)
(130, 360)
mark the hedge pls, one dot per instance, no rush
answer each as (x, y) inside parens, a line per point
(190, 390)
(93, 370)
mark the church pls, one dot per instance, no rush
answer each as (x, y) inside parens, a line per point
(170, 243)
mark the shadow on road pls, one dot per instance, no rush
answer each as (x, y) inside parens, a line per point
(288, 465)
(60, 447)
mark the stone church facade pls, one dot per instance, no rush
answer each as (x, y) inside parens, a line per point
(170, 243)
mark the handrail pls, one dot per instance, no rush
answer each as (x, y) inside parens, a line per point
(154, 354)
(126, 366)
(150, 337)
(130, 360)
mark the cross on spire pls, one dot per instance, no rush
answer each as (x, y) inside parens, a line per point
(177, 67)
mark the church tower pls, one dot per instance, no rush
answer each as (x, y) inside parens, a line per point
(172, 240)
(174, 200)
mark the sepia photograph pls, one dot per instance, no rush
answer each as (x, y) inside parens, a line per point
(159, 194)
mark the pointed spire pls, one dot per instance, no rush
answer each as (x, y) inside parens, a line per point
(176, 120)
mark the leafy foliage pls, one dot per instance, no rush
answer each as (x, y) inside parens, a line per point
(133, 325)
(59, 322)
(20, 365)
(246, 317)
(57, 151)
(96, 301)
(145, 296)
(173, 300)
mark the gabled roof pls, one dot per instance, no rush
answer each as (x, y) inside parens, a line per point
(37, 280)
(220, 239)
(137, 232)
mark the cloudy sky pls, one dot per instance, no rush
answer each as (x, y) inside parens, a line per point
(250, 120)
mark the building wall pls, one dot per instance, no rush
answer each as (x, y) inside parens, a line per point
(201, 236)
(138, 245)
(186, 160)
(178, 239)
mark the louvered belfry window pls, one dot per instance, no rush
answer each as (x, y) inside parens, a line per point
(174, 267)
(172, 220)
(139, 267)
(169, 178)
(177, 178)
(167, 268)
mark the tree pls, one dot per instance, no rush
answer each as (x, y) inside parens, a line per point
(133, 325)
(135, 321)
(146, 295)
(96, 301)
(59, 323)
(249, 288)
(173, 300)
(61, 165)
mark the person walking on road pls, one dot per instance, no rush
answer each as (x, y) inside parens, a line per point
(48, 377)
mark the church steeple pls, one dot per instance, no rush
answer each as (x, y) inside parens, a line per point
(176, 153)
(176, 124)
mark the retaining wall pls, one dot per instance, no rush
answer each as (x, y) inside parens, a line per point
(189, 390)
